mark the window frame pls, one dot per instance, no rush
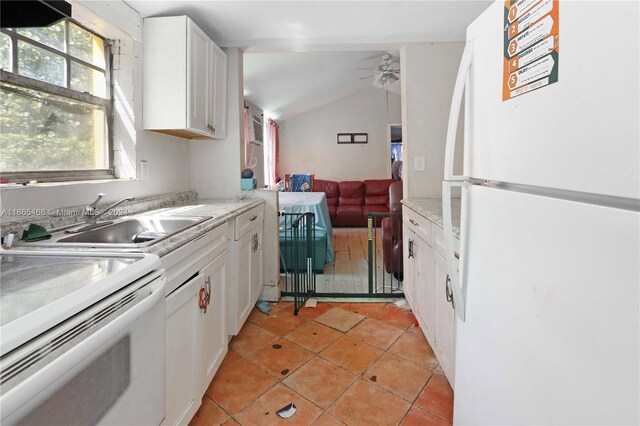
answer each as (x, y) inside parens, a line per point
(12, 77)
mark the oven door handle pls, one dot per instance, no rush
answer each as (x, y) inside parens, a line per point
(22, 394)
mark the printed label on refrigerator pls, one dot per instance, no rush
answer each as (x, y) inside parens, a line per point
(531, 46)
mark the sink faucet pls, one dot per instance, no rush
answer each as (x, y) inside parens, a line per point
(91, 214)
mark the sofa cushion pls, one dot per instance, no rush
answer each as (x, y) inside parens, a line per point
(377, 200)
(350, 215)
(332, 213)
(377, 191)
(351, 193)
(330, 188)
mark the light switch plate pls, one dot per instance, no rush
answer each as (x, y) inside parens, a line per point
(419, 164)
(144, 170)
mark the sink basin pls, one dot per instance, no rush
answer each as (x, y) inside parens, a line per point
(124, 232)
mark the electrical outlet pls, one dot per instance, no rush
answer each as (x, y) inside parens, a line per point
(419, 164)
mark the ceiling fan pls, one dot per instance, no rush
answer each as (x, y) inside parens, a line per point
(386, 73)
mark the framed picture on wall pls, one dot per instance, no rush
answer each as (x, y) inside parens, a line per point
(353, 138)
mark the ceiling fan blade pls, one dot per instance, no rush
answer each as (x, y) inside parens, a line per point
(369, 76)
(367, 69)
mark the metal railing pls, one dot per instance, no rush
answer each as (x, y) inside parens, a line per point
(297, 256)
(385, 254)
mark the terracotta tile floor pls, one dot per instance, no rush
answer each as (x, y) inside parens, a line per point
(373, 368)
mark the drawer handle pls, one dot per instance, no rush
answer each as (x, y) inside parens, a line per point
(413, 222)
(410, 249)
(207, 284)
(253, 218)
(455, 253)
(449, 293)
(204, 295)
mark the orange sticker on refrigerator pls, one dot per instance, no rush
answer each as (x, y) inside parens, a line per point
(531, 46)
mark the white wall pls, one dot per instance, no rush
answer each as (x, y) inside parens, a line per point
(168, 157)
(216, 164)
(308, 141)
(428, 74)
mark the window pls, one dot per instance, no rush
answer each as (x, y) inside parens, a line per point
(55, 104)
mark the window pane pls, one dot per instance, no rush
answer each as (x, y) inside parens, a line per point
(86, 46)
(5, 48)
(85, 79)
(53, 35)
(45, 132)
(40, 64)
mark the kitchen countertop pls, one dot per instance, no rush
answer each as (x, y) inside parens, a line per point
(220, 210)
(431, 209)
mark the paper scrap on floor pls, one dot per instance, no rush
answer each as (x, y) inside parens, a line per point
(311, 303)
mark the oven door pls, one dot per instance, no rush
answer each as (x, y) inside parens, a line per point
(105, 365)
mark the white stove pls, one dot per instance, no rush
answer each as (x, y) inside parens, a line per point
(79, 338)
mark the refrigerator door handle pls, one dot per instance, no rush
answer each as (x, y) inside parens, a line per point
(455, 284)
(454, 113)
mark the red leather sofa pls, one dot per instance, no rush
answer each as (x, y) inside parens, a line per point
(392, 232)
(350, 201)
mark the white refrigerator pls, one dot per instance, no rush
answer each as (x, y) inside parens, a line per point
(547, 295)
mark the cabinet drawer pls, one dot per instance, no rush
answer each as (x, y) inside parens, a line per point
(439, 243)
(418, 224)
(247, 220)
(182, 263)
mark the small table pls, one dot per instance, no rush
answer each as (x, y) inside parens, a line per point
(314, 202)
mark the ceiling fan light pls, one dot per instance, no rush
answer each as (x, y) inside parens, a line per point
(393, 78)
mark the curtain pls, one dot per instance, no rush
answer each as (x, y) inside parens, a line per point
(271, 154)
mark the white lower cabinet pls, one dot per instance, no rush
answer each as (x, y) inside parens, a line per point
(244, 297)
(181, 346)
(445, 317)
(246, 285)
(425, 283)
(212, 330)
(196, 339)
(426, 289)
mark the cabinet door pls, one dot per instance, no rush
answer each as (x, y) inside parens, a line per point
(218, 94)
(182, 318)
(212, 333)
(426, 289)
(256, 264)
(409, 275)
(197, 79)
(243, 280)
(445, 318)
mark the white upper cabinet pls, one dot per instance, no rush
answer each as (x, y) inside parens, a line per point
(218, 101)
(185, 80)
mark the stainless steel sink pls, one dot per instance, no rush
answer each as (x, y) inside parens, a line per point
(126, 233)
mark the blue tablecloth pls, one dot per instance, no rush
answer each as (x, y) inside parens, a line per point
(314, 202)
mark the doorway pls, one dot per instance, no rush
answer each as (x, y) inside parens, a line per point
(395, 148)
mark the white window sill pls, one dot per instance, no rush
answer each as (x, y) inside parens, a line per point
(9, 186)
